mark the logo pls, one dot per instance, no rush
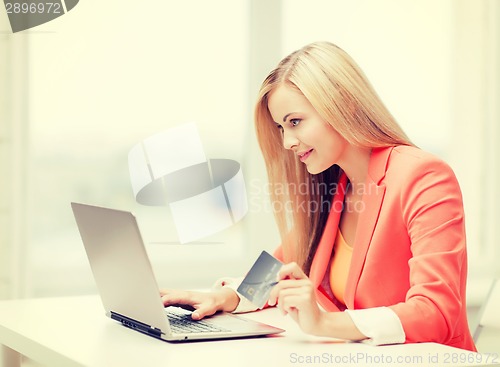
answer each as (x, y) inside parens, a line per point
(204, 195)
(25, 14)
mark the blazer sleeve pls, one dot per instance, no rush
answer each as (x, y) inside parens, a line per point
(432, 208)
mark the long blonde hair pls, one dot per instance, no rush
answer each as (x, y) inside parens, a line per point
(341, 94)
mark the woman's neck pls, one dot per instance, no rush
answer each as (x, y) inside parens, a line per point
(355, 164)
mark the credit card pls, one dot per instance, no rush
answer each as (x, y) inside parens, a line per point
(261, 279)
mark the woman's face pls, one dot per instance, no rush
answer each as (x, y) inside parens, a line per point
(316, 142)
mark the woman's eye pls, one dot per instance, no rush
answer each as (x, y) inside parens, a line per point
(295, 122)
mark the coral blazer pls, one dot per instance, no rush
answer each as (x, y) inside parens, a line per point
(409, 252)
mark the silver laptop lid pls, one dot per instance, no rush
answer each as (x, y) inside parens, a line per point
(120, 265)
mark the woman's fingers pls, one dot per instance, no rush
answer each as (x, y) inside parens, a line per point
(300, 303)
(171, 298)
(204, 310)
(284, 285)
(294, 298)
(202, 304)
(291, 271)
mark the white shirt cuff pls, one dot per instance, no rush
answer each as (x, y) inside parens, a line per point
(380, 324)
(233, 283)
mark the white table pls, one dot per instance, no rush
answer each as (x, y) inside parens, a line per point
(73, 331)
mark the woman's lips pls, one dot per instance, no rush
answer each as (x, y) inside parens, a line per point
(303, 156)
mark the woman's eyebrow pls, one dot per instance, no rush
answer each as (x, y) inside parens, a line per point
(286, 116)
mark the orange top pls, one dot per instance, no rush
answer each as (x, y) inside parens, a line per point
(339, 267)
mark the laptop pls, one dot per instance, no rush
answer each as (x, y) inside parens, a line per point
(128, 288)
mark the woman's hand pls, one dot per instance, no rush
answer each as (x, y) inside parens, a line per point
(294, 295)
(203, 303)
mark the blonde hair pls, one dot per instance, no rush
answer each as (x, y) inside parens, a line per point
(341, 94)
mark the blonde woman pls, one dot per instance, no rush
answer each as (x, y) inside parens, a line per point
(373, 235)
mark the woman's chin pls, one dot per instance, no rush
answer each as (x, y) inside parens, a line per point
(313, 170)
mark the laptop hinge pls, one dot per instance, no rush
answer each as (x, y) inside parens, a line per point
(136, 325)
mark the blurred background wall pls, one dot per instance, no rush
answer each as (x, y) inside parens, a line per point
(78, 92)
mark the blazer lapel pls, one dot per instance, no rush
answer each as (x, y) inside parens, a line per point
(372, 202)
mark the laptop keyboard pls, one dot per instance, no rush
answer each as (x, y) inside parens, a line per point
(182, 323)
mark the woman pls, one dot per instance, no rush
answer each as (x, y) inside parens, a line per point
(378, 237)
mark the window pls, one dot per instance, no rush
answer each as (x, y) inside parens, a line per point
(86, 87)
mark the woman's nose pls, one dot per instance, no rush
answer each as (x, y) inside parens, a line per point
(289, 140)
